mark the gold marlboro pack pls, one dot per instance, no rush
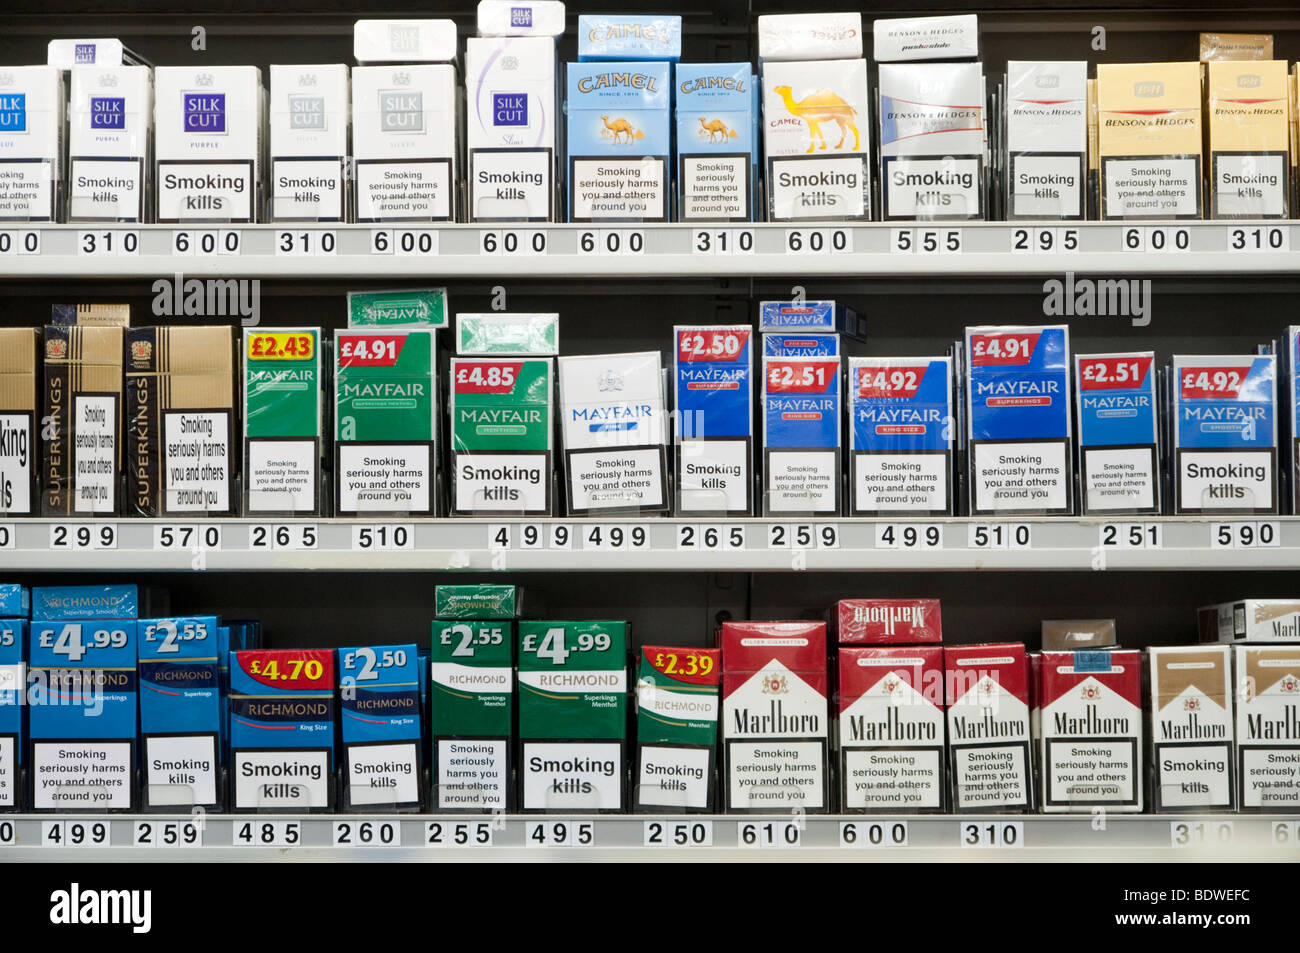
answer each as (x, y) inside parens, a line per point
(1249, 128)
(1191, 728)
(82, 454)
(18, 433)
(1268, 727)
(1251, 620)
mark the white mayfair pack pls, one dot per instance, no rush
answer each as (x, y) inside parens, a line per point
(310, 109)
(110, 121)
(404, 41)
(1191, 728)
(520, 17)
(926, 38)
(404, 135)
(1047, 139)
(31, 142)
(810, 36)
(208, 143)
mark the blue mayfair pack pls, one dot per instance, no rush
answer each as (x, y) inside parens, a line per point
(801, 435)
(605, 37)
(1118, 433)
(825, 316)
(717, 154)
(817, 344)
(713, 368)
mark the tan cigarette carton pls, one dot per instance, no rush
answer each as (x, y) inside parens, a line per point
(1249, 132)
(18, 434)
(1191, 728)
(82, 455)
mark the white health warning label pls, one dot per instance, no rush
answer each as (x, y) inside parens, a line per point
(196, 459)
(472, 774)
(1020, 476)
(94, 435)
(394, 191)
(803, 481)
(87, 775)
(779, 775)
(835, 187)
(1119, 479)
(281, 475)
(381, 478)
(715, 187)
(616, 478)
(900, 482)
(619, 189)
(1159, 187)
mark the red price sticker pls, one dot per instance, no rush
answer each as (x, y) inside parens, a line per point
(309, 670)
(1201, 383)
(370, 350)
(1113, 373)
(279, 346)
(705, 345)
(801, 377)
(889, 381)
(487, 377)
(994, 349)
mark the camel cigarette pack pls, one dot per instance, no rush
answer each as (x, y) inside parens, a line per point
(18, 433)
(776, 344)
(932, 141)
(1047, 139)
(283, 429)
(208, 141)
(676, 727)
(385, 413)
(1236, 46)
(181, 708)
(282, 727)
(83, 695)
(891, 729)
(774, 716)
(502, 333)
(181, 420)
(110, 125)
(1225, 434)
(717, 157)
(404, 41)
(511, 118)
(1191, 728)
(380, 714)
(1248, 116)
(810, 36)
(13, 716)
(572, 714)
(51, 603)
(311, 108)
(1092, 731)
(816, 130)
(1268, 727)
(408, 308)
(614, 432)
(501, 414)
(901, 423)
(811, 316)
(31, 143)
(83, 407)
(602, 37)
(1119, 436)
(486, 601)
(404, 141)
(801, 435)
(1018, 408)
(988, 727)
(472, 700)
(888, 622)
(1251, 620)
(520, 18)
(714, 433)
(1149, 137)
(619, 139)
(926, 38)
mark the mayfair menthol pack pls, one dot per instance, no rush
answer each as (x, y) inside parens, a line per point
(181, 710)
(1119, 436)
(801, 435)
(181, 420)
(385, 411)
(826, 317)
(901, 433)
(1248, 127)
(989, 742)
(501, 443)
(676, 728)
(1047, 139)
(504, 333)
(717, 155)
(282, 419)
(520, 17)
(614, 434)
(1018, 413)
(13, 717)
(619, 140)
(408, 308)
(1225, 434)
(1251, 620)
(1192, 754)
(208, 143)
(1268, 727)
(932, 146)
(310, 109)
(282, 726)
(404, 41)
(714, 432)
(110, 126)
(810, 36)
(572, 715)
(926, 38)
(380, 715)
(18, 433)
(82, 693)
(31, 143)
(605, 37)
(775, 717)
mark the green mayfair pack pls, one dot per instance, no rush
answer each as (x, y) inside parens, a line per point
(282, 420)
(487, 601)
(677, 692)
(498, 332)
(416, 308)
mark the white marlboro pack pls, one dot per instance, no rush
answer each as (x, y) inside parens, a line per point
(810, 36)
(888, 621)
(110, 121)
(1119, 468)
(801, 435)
(989, 727)
(774, 735)
(891, 729)
(1047, 139)
(1268, 727)
(31, 142)
(1191, 728)
(310, 112)
(1092, 731)
(1251, 620)
(926, 38)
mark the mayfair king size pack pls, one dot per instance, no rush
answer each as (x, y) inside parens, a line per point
(714, 433)
(774, 711)
(1191, 728)
(801, 435)
(988, 727)
(1268, 727)
(1119, 468)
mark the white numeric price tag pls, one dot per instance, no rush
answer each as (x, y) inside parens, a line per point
(206, 241)
(7, 536)
(1245, 535)
(722, 241)
(499, 536)
(20, 243)
(283, 536)
(1157, 238)
(909, 536)
(1256, 238)
(403, 241)
(363, 833)
(1283, 833)
(75, 834)
(560, 834)
(110, 243)
(710, 538)
(458, 833)
(999, 536)
(1037, 241)
(167, 834)
(668, 833)
(83, 536)
(993, 834)
(615, 538)
(532, 536)
(190, 537)
(1130, 536)
(268, 834)
(873, 833)
(611, 241)
(769, 834)
(560, 536)
(819, 241)
(1200, 833)
(307, 243)
(8, 834)
(383, 537)
(512, 242)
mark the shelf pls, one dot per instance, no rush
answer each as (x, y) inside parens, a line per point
(629, 251)
(749, 545)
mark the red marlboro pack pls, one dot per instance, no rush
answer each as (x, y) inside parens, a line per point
(988, 727)
(1036, 720)
(1092, 730)
(889, 621)
(891, 729)
(774, 708)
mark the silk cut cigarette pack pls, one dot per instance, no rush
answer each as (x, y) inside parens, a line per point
(1119, 436)
(891, 729)
(379, 715)
(888, 621)
(714, 436)
(1018, 412)
(520, 18)
(31, 143)
(901, 432)
(18, 433)
(110, 124)
(13, 712)
(283, 420)
(989, 739)
(774, 716)
(677, 708)
(717, 155)
(1046, 139)
(1248, 117)
(801, 435)
(1268, 727)
(1225, 434)
(1092, 731)
(1251, 620)
(404, 41)
(1193, 757)
(311, 112)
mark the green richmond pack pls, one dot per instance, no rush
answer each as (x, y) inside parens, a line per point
(282, 421)
(424, 308)
(677, 693)
(487, 601)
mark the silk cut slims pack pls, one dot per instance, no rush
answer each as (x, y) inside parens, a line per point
(1018, 403)
(1225, 432)
(1118, 436)
(988, 727)
(801, 435)
(715, 421)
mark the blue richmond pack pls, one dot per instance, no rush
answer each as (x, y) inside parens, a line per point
(380, 691)
(713, 370)
(801, 434)
(1118, 432)
(85, 602)
(717, 152)
(84, 679)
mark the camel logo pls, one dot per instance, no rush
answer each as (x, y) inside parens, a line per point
(1090, 693)
(56, 349)
(716, 130)
(1191, 704)
(141, 351)
(611, 380)
(1148, 90)
(817, 108)
(620, 128)
(774, 685)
